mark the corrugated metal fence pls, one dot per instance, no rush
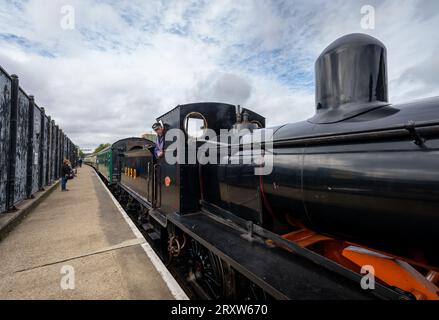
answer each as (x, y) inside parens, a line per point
(32, 146)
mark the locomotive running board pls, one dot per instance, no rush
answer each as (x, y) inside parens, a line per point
(159, 217)
(282, 274)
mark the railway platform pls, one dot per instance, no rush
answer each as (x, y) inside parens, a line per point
(80, 244)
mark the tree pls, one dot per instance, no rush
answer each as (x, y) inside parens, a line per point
(101, 147)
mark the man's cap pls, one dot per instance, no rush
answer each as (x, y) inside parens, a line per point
(156, 126)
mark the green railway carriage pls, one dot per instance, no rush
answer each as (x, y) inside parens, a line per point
(104, 164)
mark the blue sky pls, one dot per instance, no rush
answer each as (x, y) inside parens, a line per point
(126, 62)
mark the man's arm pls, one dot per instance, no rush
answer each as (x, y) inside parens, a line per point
(158, 150)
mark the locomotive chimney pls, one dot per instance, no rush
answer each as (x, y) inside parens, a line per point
(351, 78)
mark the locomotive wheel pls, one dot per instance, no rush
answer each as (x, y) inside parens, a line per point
(254, 293)
(205, 272)
(248, 291)
(143, 216)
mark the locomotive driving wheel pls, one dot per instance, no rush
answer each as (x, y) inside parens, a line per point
(254, 293)
(205, 272)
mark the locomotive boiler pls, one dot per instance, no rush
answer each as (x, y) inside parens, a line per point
(355, 186)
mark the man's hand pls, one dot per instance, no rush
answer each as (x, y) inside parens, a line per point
(161, 154)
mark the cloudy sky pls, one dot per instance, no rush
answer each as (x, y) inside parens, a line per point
(126, 62)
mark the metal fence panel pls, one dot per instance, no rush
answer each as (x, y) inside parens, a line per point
(5, 106)
(53, 151)
(46, 151)
(32, 146)
(36, 150)
(21, 149)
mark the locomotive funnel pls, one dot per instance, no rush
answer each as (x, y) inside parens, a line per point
(351, 78)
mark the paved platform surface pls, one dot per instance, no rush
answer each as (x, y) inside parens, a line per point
(84, 229)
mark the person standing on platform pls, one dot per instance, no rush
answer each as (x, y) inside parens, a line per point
(66, 171)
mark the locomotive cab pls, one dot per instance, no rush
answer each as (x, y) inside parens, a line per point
(183, 184)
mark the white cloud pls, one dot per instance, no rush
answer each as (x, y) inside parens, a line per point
(130, 61)
(219, 86)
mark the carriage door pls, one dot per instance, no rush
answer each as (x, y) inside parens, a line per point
(153, 192)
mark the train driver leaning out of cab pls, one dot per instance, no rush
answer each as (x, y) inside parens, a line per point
(160, 143)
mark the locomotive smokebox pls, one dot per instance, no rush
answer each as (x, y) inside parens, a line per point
(351, 78)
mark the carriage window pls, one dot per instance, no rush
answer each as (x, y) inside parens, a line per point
(195, 125)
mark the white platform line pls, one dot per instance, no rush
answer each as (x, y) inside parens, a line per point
(172, 284)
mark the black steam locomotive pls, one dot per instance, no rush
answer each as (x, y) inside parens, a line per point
(353, 196)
